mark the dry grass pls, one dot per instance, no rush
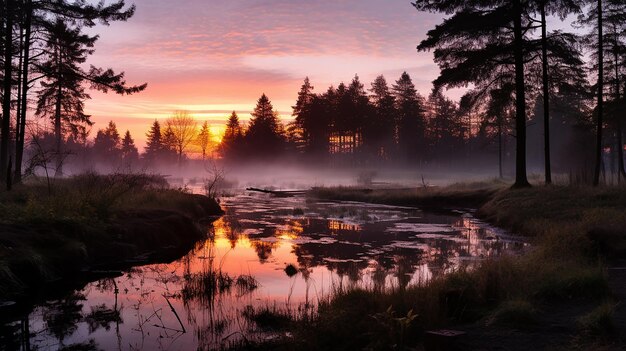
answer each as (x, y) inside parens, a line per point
(573, 232)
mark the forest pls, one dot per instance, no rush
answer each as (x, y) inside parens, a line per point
(568, 119)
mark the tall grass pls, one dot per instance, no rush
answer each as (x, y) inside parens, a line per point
(572, 230)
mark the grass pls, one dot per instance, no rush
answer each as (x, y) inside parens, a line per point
(458, 195)
(573, 231)
(88, 220)
(599, 322)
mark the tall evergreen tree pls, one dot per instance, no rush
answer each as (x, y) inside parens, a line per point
(411, 123)
(63, 92)
(471, 45)
(264, 137)
(302, 113)
(154, 144)
(381, 130)
(232, 142)
(34, 19)
(129, 150)
(204, 139)
(107, 144)
(561, 8)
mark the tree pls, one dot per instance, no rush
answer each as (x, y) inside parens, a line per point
(411, 124)
(606, 40)
(473, 43)
(154, 144)
(232, 141)
(183, 128)
(107, 143)
(562, 8)
(443, 125)
(264, 136)
(35, 19)
(63, 93)
(129, 151)
(204, 139)
(381, 129)
(302, 113)
(6, 97)
(169, 152)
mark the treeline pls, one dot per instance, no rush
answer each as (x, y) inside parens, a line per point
(44, 46)
(169, 145)
(395, 125)
(528, 84)
(349, 123)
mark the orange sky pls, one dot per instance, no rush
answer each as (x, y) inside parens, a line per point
(212, 57)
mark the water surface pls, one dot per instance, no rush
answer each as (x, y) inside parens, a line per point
(265, 252)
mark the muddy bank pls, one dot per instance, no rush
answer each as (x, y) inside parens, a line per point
(38, 255)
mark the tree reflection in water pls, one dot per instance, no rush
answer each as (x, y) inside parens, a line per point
(241, 267)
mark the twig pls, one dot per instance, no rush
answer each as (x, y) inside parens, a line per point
(175, 314)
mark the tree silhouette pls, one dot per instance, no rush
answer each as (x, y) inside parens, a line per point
(264, 137)
(154, 144)
(561, 8)
(34, 20)
(381, 131)
(204, 139)
(411, 123)
(183, 128)
(129, 151)
(470, 45)
(232, 142)
(107, 144)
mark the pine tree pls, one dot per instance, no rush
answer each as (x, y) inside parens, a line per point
(264, 137)
(168, 142)
(129, 150)
(561, 8)
(303, 118)
(474, 44)
(410, 124)
(204, 139)
(154, 144)
(63, 91)
(107, 144)
(381, 130)
(232, 142)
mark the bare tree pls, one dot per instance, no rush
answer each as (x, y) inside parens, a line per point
(184, 127)
(216, 176)
(48, 160)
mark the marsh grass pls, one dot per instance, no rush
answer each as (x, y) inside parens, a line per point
(86, 217)
(573, 230)
(457, 195)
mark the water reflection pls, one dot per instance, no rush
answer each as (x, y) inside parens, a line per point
(265, 251)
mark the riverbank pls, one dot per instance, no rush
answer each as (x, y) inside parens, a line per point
(558, 295)
(91, 225)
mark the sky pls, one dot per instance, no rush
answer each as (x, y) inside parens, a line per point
(215, 56)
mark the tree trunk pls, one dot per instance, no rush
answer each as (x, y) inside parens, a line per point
(546, 96)
(57, 133)
(596, 175)
(521, 181)
(501, 173)
(6, 101)
(618, 123)
(21, 132)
